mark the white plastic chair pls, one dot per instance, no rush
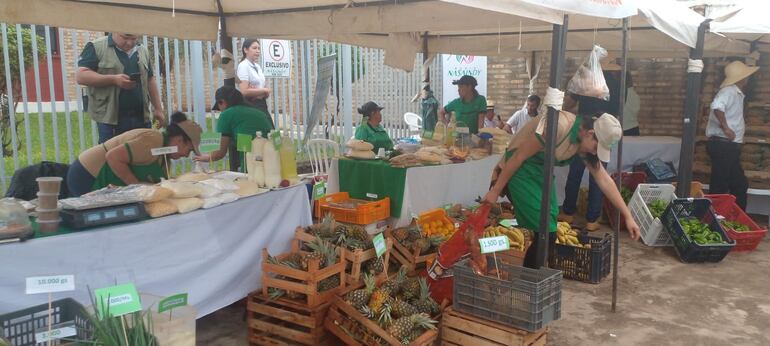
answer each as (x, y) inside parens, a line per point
(321, 152)
(414, 122)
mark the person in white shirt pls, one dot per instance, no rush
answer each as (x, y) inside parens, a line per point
(252, 83)
(631, 109)
(490, 118)
(517, 121)
(725, 130)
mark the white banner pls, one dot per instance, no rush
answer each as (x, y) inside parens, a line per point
(456, 66)
(276, 58)
(596, 8)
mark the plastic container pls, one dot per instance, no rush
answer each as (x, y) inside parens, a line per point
(581, 264)
(14, 220)
(524, 298)
(49, 184)
(629, 180)
(288, 154)
(651, 229)
(435, 215)
(47, 200)
(48, 226)
(171, 328)
(689, 251)
(256, 166)
(725, 206)
(47, 214)
(360, 212)
(272, 163)
(19, 327)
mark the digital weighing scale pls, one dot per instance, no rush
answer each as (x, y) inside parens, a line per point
(103, 216)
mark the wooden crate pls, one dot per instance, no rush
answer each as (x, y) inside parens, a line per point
(306, 281)
(285, 322)
(409, 258)
(461, 329)
(355, 258)
(344, 321)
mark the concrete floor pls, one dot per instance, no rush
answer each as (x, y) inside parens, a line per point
(661, 301)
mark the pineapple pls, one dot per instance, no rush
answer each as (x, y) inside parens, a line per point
(329, 283)
(393, 285)
(425, 304)
(327, 226)
(359, 233)
(323, 250)
(360, 297)
(367, 312)
(400, 308)
(379, 299)
(425, 244)
(411, 288)
(401, 329)
(375, 266)
(401, 234)
(385, 318)
(416, 333)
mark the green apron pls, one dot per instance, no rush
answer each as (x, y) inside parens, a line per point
(151, 173)
(526, 186)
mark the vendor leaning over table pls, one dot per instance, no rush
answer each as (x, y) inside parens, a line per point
(127, 158)
(370, 130)
(236, 118)
(519, 175)
(469, 108)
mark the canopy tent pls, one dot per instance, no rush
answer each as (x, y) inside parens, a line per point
(748, 22)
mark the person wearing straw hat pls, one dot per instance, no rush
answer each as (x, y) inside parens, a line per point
(490, 118)
(519, 175)
(128, 159)
(725, 130)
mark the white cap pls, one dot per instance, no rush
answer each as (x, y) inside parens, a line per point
(608, 132)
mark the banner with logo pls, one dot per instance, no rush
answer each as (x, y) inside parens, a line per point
(455, 66)
(276, 58)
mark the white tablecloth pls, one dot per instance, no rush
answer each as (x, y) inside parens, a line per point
(213, 255)
(636, 150)
(432, 187)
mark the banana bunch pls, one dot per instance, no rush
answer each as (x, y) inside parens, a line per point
(515, 235)
(565, 235)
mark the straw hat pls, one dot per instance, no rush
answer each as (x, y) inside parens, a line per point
(608, 133)
(490, 104)
(737, 71)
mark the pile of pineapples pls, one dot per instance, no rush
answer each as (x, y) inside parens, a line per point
(352, 237)
(324, 251)
(401, 305)
(413, 237)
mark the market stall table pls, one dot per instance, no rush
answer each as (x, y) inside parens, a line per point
(412, 190)
(212, 254)
(636, 150)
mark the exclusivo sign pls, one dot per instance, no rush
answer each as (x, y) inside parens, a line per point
(456, 66)
(276, 58)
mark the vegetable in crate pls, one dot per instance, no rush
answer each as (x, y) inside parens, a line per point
(700, 233)
(735, 226)
(626, 193)
(323, 251)
(515, 235)
(360, 297)
(384, 294)
(401, 329)
(425, 303)
(565, 235)
(657, 207)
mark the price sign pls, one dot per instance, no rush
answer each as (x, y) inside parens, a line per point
(210, 142)
(164, 150)
(61, 332)
(275, 137)
(427, 134)
(509, 223)
(463, 130)
(448, 206)
(243, 143)
(50, 284)
(494, 244)
(117, 300)
(319, 190)
(171, 302)
(371, 195)
(379, 245)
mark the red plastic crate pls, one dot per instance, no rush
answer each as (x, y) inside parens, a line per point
(630, 180)
(725, 206)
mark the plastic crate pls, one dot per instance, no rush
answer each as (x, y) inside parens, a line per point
(582, 264)
(19, 327)
(434, 215)
(651, 229)
(725, 206)
(689, 251)
(523, 298)
(629, 180)
(364, 212)
(696, 189)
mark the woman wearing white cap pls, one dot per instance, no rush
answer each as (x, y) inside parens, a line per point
(519, 175)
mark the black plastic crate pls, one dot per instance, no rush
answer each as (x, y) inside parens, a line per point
(523, 298)
(582, 264)
(19, 327)
(688, 250)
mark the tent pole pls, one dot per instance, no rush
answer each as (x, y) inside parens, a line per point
(619, 177)
(558, 47)
(225, 40)
(690, 126)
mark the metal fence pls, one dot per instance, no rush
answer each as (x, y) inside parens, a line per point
(59, 129)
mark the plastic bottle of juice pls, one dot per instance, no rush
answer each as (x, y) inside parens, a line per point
(450, 131)
(439, 133)
(288, 153)
(272, 164)
(256, 166)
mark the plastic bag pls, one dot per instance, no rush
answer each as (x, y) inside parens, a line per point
(589, 78)
(221, 184)
(208, 191)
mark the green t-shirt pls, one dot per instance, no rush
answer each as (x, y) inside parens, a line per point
(468, 113)
(374, 135)
(243, 120)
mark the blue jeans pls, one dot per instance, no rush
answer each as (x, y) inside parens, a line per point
(571, 191)
(79, 181)
(125, 124)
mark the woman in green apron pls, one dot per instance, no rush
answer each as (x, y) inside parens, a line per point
(370, 130)
(519, 175)
(128, 159)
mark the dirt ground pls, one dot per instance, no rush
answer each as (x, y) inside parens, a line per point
(661, 301)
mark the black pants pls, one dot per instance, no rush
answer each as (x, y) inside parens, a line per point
(530, 259)
(726, 171)
(634, 131)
